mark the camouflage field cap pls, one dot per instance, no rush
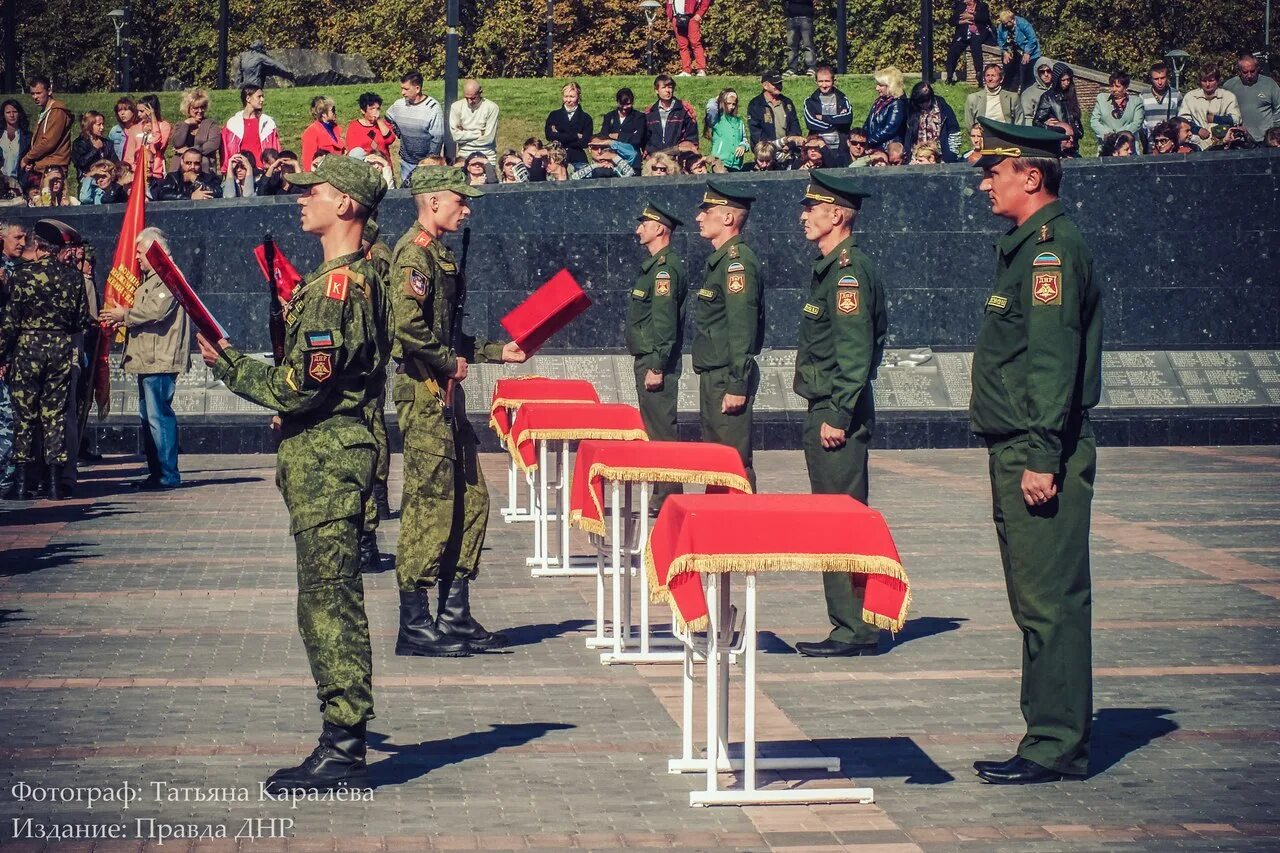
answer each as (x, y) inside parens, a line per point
(1001, 139)
(346, 175)
(434, 179)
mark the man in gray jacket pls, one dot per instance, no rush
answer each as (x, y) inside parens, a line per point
(157, 350)
(992, 100)
(1040, 85)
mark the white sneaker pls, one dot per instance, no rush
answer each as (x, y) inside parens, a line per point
(701, 73)
(684, 74)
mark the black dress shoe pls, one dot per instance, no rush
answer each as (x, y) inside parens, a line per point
(836, 649)
(997, 766)
(1019, 771)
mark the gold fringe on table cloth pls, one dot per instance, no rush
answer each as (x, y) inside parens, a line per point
(572, 434)
(650, 475)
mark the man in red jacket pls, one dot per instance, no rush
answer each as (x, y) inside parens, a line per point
(686, 17)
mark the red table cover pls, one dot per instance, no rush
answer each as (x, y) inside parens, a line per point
(515, 391)
(716, 466)
(767, 533)
(571, 422)
(547, 310)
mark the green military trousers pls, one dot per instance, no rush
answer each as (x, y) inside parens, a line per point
(382, 459)
(40, 387)
(737, 430)
(324, 474)
(1045, 551)
(842, 472)
(444, 510)
(658, 411)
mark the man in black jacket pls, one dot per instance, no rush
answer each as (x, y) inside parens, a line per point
(830, 115)
(972, 22)
(625, 124)
(800, 27)
(668, 122)
(772, 117)
(189, 182)
(570, 125)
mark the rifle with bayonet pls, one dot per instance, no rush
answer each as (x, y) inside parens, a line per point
(456, 336)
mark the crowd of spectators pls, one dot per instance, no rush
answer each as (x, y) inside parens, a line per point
(44, 161)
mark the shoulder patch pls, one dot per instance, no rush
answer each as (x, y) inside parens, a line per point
(848, 281)
(319, 366)
(735, 267)
(417, 283)
(847, 300)
(1046, 288)
(662, 283)
(336, 286)
(320, 340)
(1047, 259)
(736, 282)
(422, 240)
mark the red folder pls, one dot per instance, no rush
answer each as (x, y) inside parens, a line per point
(181, 290)
(547, 310)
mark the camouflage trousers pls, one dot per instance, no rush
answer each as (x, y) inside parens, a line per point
(6, 434)
(40, 386)
(444, 510)
(324, 473)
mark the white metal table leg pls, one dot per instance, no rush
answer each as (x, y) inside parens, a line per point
(562, 503)
(642, 537)
(713, 684)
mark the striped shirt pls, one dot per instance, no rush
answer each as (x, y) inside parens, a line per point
(420, 127)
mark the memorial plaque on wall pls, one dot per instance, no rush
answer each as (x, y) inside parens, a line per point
(687, 399)
(772, 395)
(1219, 378)
(911, 388)
(955, 369)
(1140, 380)
(1267, 363)
(602, 372)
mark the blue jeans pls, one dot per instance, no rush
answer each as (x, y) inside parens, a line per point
(160, 436)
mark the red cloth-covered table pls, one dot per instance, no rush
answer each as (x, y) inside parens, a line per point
(716, 466)
(571, 422)
(513, 392)
(699, 534)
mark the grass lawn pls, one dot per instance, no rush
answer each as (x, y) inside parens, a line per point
(524, 102)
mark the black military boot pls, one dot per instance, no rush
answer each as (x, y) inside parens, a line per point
(383, 501)
(55, 483)
(418, 632)
(455, 618)
(18, 491)
(370, 559)
(338, 761)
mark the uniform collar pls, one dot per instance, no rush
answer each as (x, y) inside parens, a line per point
(1011, 241)
(652, 261)
(824, 263)
(718, 255)
(330, 266)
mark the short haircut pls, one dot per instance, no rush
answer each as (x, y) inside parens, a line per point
(860, 133)
(321, 105)
(572, 84)
(369, 99)
(1006, 17)
(1209, 72)
(246, 90)
(1119, 76)
(765, 148)
(39, 80)
(1272, 138)
(191, 99)
(996, 65)
(1244, 54)
(1049, 167)
(532, 141)
(824, 66)
(413, 78)
(663, 78)
(150, 235)
(1159, 67)
(625, 94)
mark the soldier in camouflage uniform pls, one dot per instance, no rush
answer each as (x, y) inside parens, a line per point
(445, 506)
(729, 315)
(841, 342)
(323, 390)
(13, 237)
(378, 508)
(47, 307)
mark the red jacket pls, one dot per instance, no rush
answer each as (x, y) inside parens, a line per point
(316, 140)
(686, 7)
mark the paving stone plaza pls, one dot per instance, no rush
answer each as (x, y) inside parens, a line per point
(150, 639)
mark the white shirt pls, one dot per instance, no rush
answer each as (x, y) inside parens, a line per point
(475, 130)
(994, 107)
(9, 149)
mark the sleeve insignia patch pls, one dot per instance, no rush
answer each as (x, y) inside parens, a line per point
(847, 300)
(812, 310)
(997, 301)
(417, 283)
(733, 251)
(735, 267)
(319, 365)
(320, 340)
(1046, 288)
(736, 282)
(706, 293)
(847, 281)
(844, 257)
(336, 287)
(1047, 259)
(662, 283)
(637, 293)
(422, 240)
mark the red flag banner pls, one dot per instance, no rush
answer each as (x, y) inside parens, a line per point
(123, 280)
(190, 301)
(276, 268)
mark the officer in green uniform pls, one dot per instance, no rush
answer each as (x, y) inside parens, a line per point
(729, 315)
(323, 389)
(655, 330)
(445, 506)
(842, 331)
(378, 508)
(1036, 373)
(47, 309)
